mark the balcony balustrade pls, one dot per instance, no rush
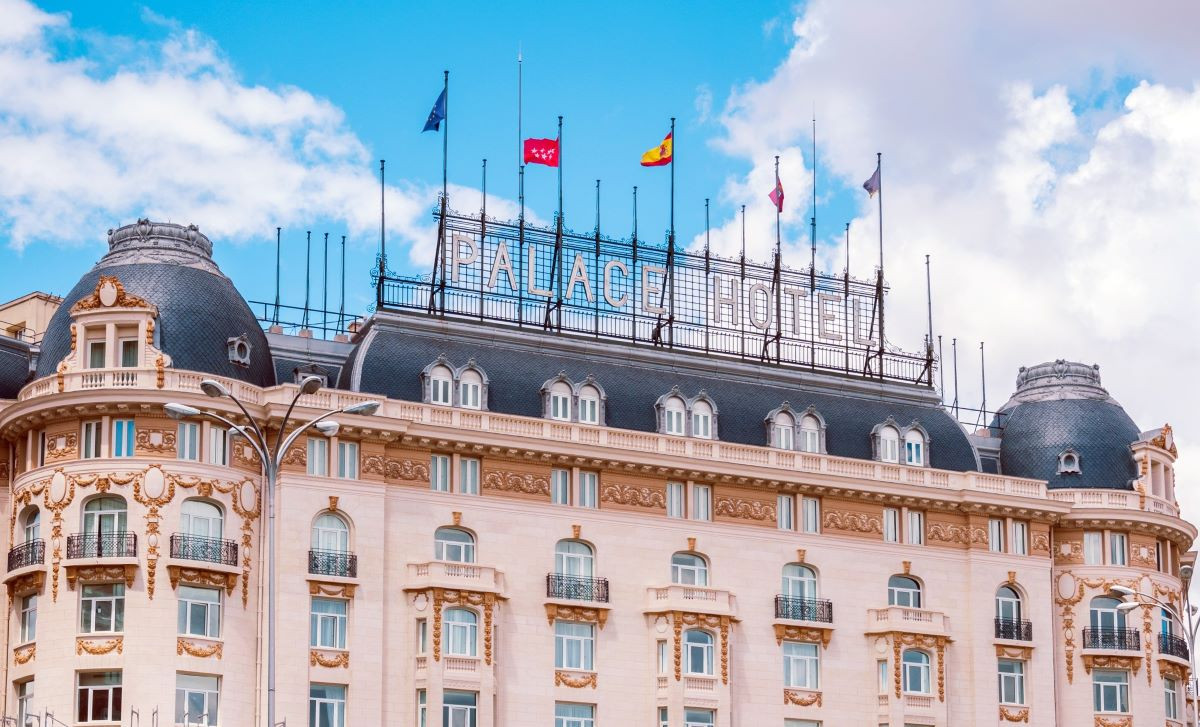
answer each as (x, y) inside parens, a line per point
(102, 545)
(452, 574)
(337, 563)
(804, 609)
(211, 550)
(576, 588)
(1171, 645)
(909, 620)
(29, 553)
(1116, 639)
(695, 599)
(1007, 628)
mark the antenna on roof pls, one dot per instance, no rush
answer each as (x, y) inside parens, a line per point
(983, 386)
(482, 237)
(929, 308)
(941, 371)
(342, 304)
(325, 292)
(954, 351)
(275, 320)
(307, 276)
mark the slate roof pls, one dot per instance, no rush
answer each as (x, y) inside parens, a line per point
(14, 367)
(393, 358)
(1036, 432)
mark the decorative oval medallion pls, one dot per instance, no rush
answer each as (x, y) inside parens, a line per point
(154, 483)
(152, 540)
(420, 601)
(1066, 585)
(108, 293)
(58, 487)
(248, 497)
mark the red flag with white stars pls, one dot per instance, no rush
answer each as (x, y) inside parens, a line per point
(541, 151)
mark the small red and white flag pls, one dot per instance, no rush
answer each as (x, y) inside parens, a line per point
(776, 196)
(541, 151)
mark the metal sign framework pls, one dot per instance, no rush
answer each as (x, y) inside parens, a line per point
(550, 278)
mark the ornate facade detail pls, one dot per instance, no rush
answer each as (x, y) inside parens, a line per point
(802, 698)
(24, 654)
(1112, 721)
(373, 464)
(855, 522)
(744, 509)
(900, 640)
(949, 533)
(1166, 440)
(979, 537)
(720, 624)
(96, 647)
(1014, 652)
(62, 446)
(406, 469)
(109, 293)
(1067, 611)
(329, 660)
(245, 456)
(1068, 552)
(1040, 542)
(296, 455)
(784, 632)
(199, 650)
(574, 680)
(1094, 661)
(631, 495)
(337, 590)
(29, 583)
(485, 602)
(202, 577)
(155, 441)
(578, 614)
(1014, 714)
(521, 482)
(333, 503)
(100, 574)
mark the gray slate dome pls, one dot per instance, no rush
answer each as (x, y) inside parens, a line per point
(1060, 407)
(198, 307)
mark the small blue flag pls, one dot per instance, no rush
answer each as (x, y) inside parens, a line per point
(437, 115)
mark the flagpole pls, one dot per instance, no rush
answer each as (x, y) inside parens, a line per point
(812, 265)
(278, 231)
(879, 286)
(671, 247)
(520, 139)
(742, 287)
(482, 235)
(776, 277)
(558, 239)
(325, 291)
(596, 267)
(633, 283)
(846, 323)
(382, 240)
(342, 303)
(707, 271)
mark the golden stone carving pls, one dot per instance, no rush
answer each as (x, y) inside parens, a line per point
(1093, 661)
(578, 614)
(28, 583)
(406, 469)
(443, 597)
(333, 503)
(522, 482)
(801, 555)
(245, 456)
(1142, 557)
(100, 574)
(949, 533)
(62, 446)
(743, 509)
(575, 531)
(855, 522)
(373, 464)
(1014, 652)
(24, 654)
(679, 619)
(1165, 435)
(166, 441)
(201, 577)
(1069, 552)
(647, 497)
(203, 651)
(574, 681)
(784, 632)
(906, 566)
(1067, 612)
(691, 542)
(1041, 542)
(802, 699)
(901, 639)
(456, 518)
(329, 661)
(121, 299)
(1112, 721)
(296, 455)
(1014, 714)
(1172, 670)
(96, 647)
(337, 590)
(1012, 578)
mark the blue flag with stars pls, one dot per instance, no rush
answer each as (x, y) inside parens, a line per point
(437, 115)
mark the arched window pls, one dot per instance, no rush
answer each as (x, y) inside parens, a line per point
(573, 558)
(904, 591)
(441, 384)
(702, 419)
(1068, 463)
(889, 444)
(201, 519)
(799, 581)
(784, 431)
(459, 630)
(689, 569)
(31, 524)
(810, 434)
(916, 671)
(470, 389)
(698, 652)
(674, 414)
(330, 532)
(454, 545)
(560, 401)
(590, 405)
(1104, 616)
(104, 515)
(1008, 604)
(914, 447)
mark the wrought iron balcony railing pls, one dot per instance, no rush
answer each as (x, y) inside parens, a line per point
(1007, 628)
(576, 588)
(198, 547)
(804, 609)
(102, 545)
(1124, 639)
(1171, 645)
(333, 563)
(32, 552)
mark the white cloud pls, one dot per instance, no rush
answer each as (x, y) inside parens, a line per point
(1057, 229)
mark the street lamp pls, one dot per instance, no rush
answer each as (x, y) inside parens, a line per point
(1191, 625)
(272, 459)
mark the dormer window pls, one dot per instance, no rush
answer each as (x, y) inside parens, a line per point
(1068, 463)
(560, 401)
(441, 382)
(673, 415)
(239, 350)
(914, 448)
(445, 385)
(702, 420)
(589, 404)
(785, 431)
(566, 401)
(889, 444)
(901, 445)
(803, 431)
(811, 430)
(682, 417)
(470, 384)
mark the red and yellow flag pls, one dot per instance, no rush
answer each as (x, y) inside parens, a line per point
(659, 155)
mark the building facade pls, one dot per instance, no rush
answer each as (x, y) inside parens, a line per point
(546, 529)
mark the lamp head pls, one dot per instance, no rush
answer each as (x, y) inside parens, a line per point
(365, 408)
(310, 384)
(180, 411)
(1128, 606)
(1122, 590)
(1185, 572)
(213, 388)
(327, 428)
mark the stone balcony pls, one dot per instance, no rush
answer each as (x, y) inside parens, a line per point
(690, 599)
(907, 620)
(454, 576)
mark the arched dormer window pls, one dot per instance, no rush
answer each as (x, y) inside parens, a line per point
(783, 430)
(812, 432)
(454, 545)
(904, 591)
(1068, 463)
(689, 569)
(885, 440)
(438, 380)
(682, 417)
(591, 401)
(559, 395)
(672, 418)
(330, 533)
(789, 429)
(443, 384)
(916, 445)
(470, 388)
(916, 671)
(704, 419)
(566, 401)
(698, 652)
(31, 524)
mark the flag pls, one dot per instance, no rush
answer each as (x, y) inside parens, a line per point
(872, 184)
(660, 155)
(541, 151)
(776, 196)
(437, 115)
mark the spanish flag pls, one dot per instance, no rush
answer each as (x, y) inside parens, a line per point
(660, 155)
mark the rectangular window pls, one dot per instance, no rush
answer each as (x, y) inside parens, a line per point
(91, 440)
(784, 512)
(439, 473)
(122, 441)
(196, 699)
(560, 407)
(327, 623)
(96, 354)
(458, 708)
(674, 421)
(574, 645)
(560, 487)
(891, 525)
(187, 441)
(996, 535)
(102, 608)
(422, 636)
(347, 462)
(810, 514)
(588, 489)
(318, 456)
(1020, 538)
(1171, 697)
(1093, 548)
(914, 452)
(29, 618)
(589, 410)
(881, 671)
(439, 391)
(129, 352)
(785, 436)
(702, 425)
(701, 502)
(699, 717)
(664, 657)
(663, 721)
(916, 528)
(326, 705)
(422, 708)
(468, 394)
(200, 611)
(468, 476)
(25, 711)
(98, 696)
(574, 715)
(1110, 691)
(1012, 681)
(1158, 556)
(674, 499)
(801, 665)
(218, 447)
(1118, 550)
(41, 449)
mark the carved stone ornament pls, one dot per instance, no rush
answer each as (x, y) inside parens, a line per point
(1014, 714)
(328, 659)
(784, 632)
(202, 577)
(333, 503)
(578, 614)
(109, 293)
(337, 590)
(24, 654)
(521, 482)
(802, 698)
(1004, 651)
(485, 602)
(574, 680)
(155, 441)
(633, 496)
(949, 533)
(29, 583)
(96, 647)
(1172, 670)
(743, 509)
(1093, 661)
(100, 574)
(901, 639)
(406, 469)
(62, 446)
(1112, 721)
(854, 522)
(201, 650)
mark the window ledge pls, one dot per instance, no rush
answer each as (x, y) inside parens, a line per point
(101, 570)
(562, 609)
(202, 573)
(335, 586)
(812, 631)
(199, 646)
(447, 574)
(329, 658)
(575, 678)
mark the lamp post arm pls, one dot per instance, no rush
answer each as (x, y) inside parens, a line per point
(280, 445)
(261, 437)
(259, 446)
(287, 443)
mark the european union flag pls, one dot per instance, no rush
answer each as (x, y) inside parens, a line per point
(437, 115)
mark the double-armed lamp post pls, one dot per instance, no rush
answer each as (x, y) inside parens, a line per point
(1133, 600)
(271, 458)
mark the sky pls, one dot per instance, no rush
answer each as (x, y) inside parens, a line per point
(1046, 156)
